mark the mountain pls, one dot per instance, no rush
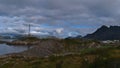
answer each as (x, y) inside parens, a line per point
(18, 35)
(77, 37)
(105, 33)
(10, 35)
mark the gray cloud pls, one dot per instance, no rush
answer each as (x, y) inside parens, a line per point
(80, 16)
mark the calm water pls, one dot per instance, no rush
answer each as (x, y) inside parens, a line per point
(6, 49)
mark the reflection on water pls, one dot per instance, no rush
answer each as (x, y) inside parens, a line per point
(6, 49)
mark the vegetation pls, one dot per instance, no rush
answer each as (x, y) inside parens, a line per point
(65, 53)
(29, 39)
(97, 58)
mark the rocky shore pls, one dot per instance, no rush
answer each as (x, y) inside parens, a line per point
(1, 42)
(25, 41)
(22, 43)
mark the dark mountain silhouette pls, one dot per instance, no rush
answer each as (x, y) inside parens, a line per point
(77, 37)
(105, 33)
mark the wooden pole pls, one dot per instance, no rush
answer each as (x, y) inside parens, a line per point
(29, 30)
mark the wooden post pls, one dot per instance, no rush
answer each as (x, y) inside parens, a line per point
(29, 33)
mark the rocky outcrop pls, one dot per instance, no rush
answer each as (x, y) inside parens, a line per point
(22, 43)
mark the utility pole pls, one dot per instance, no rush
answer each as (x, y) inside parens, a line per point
(29, 33)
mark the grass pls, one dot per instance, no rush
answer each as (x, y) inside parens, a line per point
(30, 39)
(84, 56)
(93, 58)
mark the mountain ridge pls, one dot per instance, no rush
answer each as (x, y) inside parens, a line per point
(105, 33)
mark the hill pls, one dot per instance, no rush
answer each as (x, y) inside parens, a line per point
(105, 33)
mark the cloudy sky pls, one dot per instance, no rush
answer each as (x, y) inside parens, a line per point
(58, 17)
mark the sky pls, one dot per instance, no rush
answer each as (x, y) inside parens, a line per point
(60, 18)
